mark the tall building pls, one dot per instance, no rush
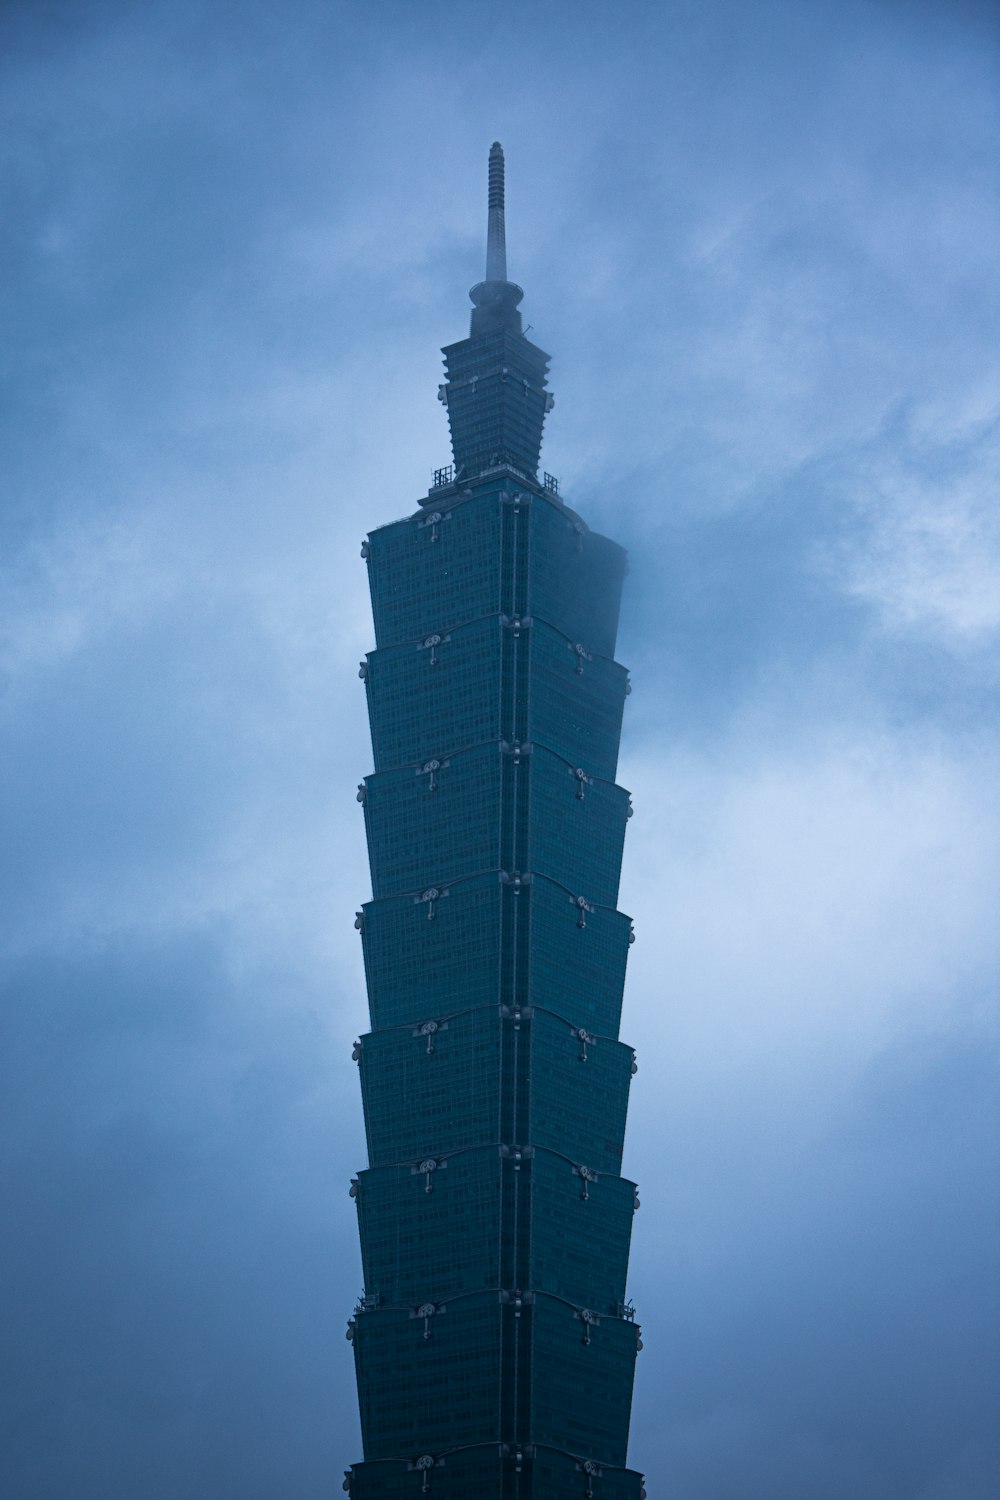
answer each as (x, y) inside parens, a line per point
(494, 1342)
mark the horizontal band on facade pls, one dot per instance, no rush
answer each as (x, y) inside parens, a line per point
(510, 622)
(505, 1297)
(504, 1450)
(505, 1013)
(517, 1153)
(516, 748)
(518, 879)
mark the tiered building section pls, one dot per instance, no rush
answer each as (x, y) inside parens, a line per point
(494, 1343)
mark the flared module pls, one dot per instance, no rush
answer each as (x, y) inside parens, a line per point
(494, 1342)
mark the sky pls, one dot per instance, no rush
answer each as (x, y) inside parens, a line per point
(760, 242)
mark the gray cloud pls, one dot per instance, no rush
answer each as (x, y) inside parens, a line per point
(758, 242)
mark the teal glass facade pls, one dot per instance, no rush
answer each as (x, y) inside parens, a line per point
(494, 1344)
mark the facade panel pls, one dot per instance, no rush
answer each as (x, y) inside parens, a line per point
(433, 1371)
(422, 570)
(427, 1235)
(436, 820)
(580, 1227)
(581, 1386)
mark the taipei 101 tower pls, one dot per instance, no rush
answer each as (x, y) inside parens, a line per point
(494, 1342)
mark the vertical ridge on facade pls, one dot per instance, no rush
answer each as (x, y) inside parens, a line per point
(494, 1342)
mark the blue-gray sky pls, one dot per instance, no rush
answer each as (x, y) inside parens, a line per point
(760, 241)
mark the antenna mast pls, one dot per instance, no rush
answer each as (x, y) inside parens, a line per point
(496, 239)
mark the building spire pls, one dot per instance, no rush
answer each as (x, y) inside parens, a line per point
(496, 298)
(496, 239)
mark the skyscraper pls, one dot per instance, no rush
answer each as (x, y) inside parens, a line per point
(494, 1344)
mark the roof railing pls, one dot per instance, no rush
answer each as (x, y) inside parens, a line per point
(499, 463)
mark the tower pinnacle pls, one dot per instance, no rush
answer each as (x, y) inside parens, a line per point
(496, 239)
(496, 298)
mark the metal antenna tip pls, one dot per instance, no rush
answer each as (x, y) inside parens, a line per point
(496, 239)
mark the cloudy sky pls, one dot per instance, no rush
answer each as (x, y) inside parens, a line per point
(760, 240)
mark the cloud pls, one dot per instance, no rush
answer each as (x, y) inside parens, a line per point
(176, 1222)
(812, 995)
(930, 560)
(758, 243)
